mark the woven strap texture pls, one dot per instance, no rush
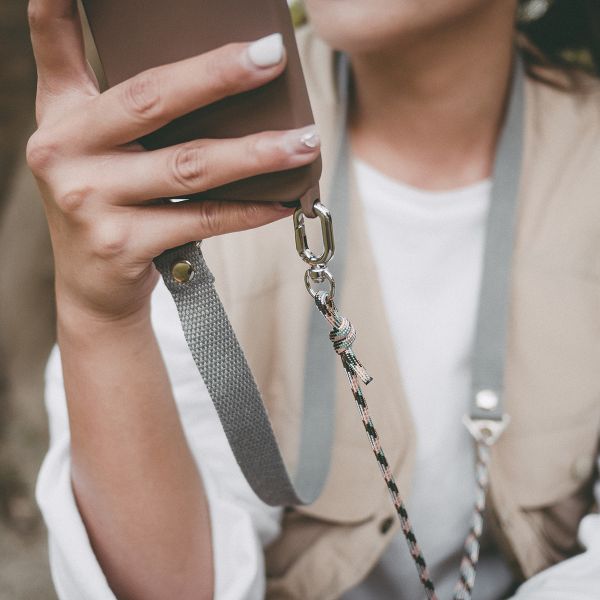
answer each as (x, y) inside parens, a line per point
(233, 390)
(221, 362)
(489, 349)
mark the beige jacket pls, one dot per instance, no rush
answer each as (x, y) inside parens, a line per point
(543, 465)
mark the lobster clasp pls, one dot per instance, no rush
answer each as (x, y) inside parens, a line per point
(306, 254)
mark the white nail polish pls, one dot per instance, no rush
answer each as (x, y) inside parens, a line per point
(311, 139)
(267, 51)
(302, 141)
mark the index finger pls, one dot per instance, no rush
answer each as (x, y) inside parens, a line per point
(157, 96)
(57, 42)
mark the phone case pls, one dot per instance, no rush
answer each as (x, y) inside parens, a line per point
(134, 35)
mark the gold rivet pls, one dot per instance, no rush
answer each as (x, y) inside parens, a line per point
(486, 433)
(182, 271)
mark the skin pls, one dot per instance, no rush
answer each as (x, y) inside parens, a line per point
(431, 80)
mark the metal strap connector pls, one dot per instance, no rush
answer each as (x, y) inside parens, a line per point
(486, 431)
(316, 275)
(306, 254)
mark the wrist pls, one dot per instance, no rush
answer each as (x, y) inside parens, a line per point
(102, 307)
(100, 302)
(77, 321)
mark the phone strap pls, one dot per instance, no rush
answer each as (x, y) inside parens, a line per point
(233, 390)
(229, 380)
(486, 419)
(231, 385)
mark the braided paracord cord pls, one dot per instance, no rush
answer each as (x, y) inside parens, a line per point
(464, 586)
(342, 336)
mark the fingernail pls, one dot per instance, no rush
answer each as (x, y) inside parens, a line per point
(267, 51)
(303, 140)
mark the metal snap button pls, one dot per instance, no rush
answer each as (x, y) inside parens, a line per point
(182, 271)
(386, 525)
(486, 399)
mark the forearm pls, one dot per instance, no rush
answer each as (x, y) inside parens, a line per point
(135, 480)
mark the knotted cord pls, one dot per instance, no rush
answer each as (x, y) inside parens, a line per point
(342, 336)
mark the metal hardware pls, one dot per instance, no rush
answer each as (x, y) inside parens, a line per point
(182, 271)
(317, 271)
(319, 275)
(486, 431)
(306, 254)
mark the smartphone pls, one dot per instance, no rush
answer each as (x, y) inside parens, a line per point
(134, 35)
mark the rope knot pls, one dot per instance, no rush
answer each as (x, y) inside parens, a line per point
(342, 336)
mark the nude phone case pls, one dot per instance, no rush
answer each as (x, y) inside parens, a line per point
(134, 35)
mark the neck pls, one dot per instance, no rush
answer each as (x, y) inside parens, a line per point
(429, 111)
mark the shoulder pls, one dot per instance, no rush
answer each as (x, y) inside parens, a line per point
(562, 141)
(560, 212)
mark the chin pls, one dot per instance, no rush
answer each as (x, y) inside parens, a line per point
(372, 25)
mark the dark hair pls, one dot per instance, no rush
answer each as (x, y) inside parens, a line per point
(567, 36)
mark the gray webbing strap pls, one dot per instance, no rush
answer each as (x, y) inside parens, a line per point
(489, 348)
(230, 383)
(232, 388)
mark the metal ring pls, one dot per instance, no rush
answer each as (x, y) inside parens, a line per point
(306, 254)
(324, 275)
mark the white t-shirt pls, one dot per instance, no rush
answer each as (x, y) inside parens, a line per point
(428, 248)
(428, 251)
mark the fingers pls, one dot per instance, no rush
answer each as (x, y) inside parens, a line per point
(134, 177)
(183, 170)
(57, 44)
(159, 228)
(155, 97)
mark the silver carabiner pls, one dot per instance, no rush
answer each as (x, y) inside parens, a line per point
(319, 275)
(306, 254)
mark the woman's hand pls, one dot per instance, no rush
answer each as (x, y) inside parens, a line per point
(98, 184)
(136, 482)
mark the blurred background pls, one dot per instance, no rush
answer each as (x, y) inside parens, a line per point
(26, 287)
(26, 322)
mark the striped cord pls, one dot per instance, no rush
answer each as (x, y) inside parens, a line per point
(343, 335)
(466, 581)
